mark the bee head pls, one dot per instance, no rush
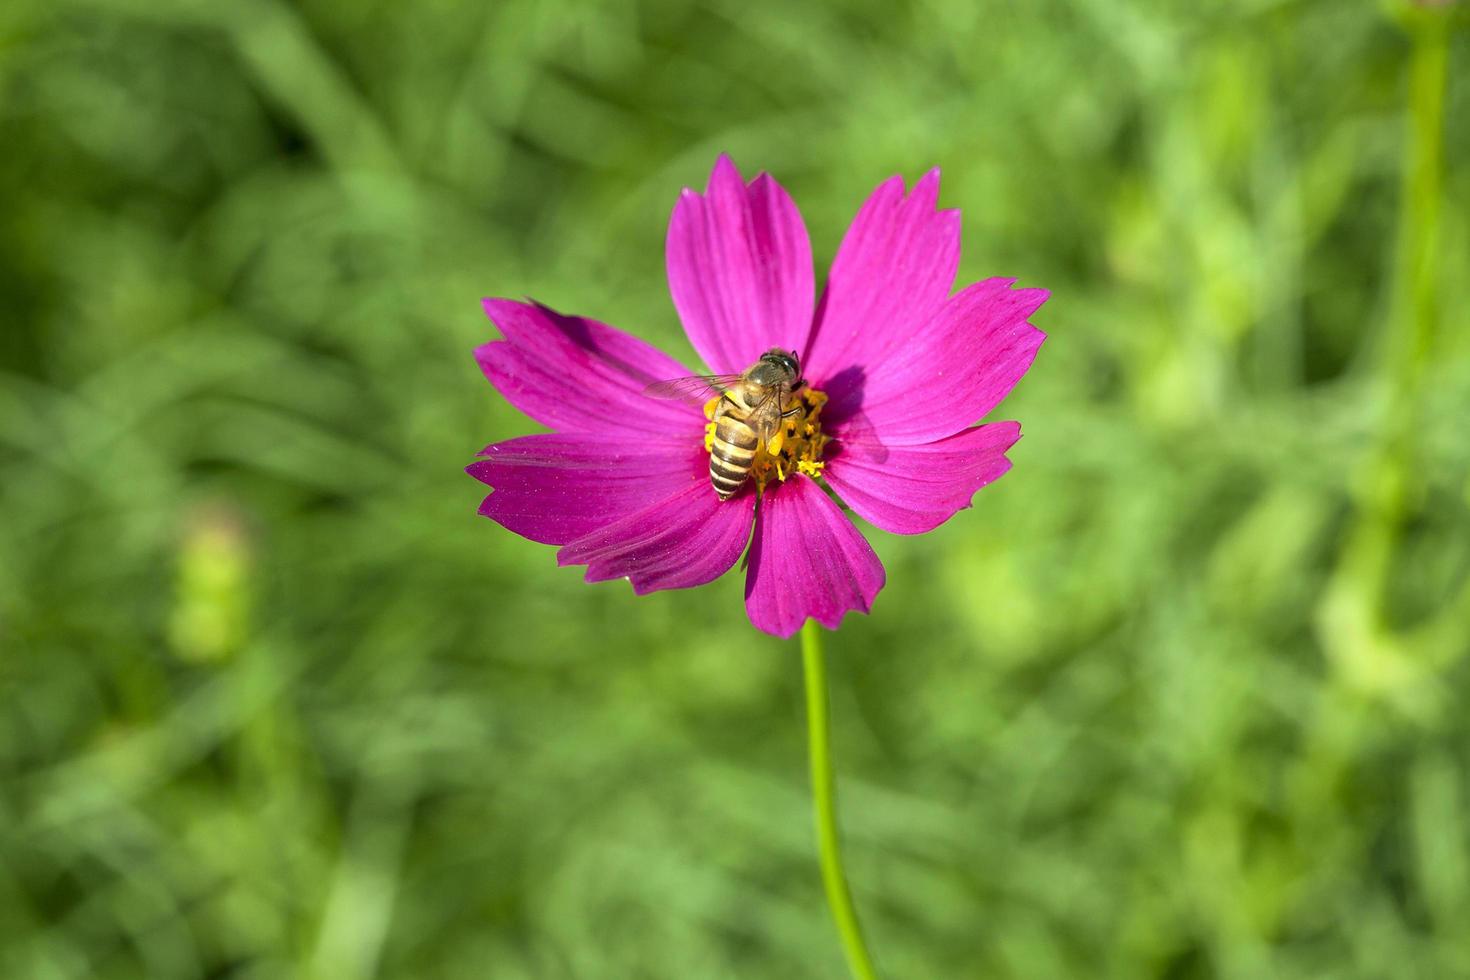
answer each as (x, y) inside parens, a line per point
(786, 360)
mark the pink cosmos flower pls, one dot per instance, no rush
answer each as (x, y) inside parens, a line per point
(622, 483)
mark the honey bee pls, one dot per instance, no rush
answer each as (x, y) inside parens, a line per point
(747, 416)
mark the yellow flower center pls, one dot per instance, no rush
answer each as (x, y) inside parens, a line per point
(795, 448)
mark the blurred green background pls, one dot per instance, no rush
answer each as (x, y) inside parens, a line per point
(1183, 696)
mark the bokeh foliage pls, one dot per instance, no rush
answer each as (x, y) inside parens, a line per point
(1184, 695)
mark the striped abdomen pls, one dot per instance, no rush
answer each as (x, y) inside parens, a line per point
(733, 450)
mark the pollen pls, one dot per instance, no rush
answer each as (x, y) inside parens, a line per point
(797, 446)
(709, 429)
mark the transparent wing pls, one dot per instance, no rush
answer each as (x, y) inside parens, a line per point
(765, 415)
(698, 386)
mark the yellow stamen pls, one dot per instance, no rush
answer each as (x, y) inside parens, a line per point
(773, 447)
(797, 445)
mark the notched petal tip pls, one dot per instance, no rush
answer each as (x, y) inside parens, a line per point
(925, 191)
(1037, 298)
(894, 188)
(979, 343)
(765, 183)
(807, 561)
(740, 269)
(1009, 432)
(724, 174)
(914, 489)
(499, 308)
(1028, 299)
(894, 269)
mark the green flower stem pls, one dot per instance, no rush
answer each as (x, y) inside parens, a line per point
(824, 795)
(1352, 619)
(1414, 300)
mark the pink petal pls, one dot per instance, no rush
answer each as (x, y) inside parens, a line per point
(956, 369)
(577, 375)
(556, 488)
(740, 269)
(913, 489)
(688, 539)
(894, 269)
(807, 560)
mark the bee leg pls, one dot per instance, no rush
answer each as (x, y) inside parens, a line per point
(774, 444)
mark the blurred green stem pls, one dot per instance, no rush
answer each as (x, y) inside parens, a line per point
(824, 794)
(1352, 620)
(1415, 302)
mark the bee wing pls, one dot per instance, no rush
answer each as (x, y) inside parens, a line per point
(765, 415)
(696, 387)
